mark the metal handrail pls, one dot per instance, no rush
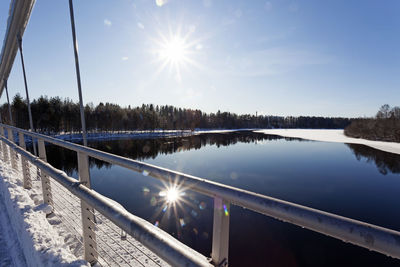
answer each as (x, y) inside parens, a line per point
(366, 235)
(166, 246)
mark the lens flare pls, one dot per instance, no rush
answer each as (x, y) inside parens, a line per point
(226, 211)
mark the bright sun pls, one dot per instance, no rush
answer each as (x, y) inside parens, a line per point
(175, 52)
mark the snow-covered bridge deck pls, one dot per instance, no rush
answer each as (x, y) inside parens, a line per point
(10, 250)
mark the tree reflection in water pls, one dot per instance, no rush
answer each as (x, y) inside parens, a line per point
(385, 162)
(150, 148)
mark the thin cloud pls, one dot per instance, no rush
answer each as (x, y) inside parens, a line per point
(107, 22)
(124, 58)
(140, 25)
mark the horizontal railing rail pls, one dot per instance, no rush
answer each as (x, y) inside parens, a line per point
(362, 234)
(166, 246)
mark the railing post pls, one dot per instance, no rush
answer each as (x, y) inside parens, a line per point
(25, 165)
(88, 219)
(1, 143)
(46, 188)
(5, 150)
(12, 153)
(220, 244)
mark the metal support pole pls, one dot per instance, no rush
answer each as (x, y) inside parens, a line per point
(19, 39)
(220, 244)
(88, 219)
(25, 165)
(8, 101)
(12, 153)
(78, 74)
(5, 150)
(46, 188)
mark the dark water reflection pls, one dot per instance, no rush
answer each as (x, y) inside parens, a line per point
(384, 161)
(321, 175)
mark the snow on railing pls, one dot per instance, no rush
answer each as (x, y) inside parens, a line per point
(369, 236)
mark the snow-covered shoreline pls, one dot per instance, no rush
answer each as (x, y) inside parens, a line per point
(143, 134)
(117, 135)
(336, 136)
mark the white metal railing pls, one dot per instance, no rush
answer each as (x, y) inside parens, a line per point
(369, 236)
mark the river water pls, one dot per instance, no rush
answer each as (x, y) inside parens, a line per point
(349, 180)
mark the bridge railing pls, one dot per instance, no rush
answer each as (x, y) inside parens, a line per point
(365, 235)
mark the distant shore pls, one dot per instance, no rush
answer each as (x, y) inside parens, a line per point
(336, 136)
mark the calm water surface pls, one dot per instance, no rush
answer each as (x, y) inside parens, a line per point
(350, 180)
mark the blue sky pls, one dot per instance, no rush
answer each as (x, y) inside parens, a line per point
(330, 58)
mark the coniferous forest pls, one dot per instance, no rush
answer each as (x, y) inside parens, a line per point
(55, 115)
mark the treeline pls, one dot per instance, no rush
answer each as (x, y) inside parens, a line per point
(55, 115)
(384, 127)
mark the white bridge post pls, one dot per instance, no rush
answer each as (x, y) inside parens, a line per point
(88, 218)
(1, 143)
(220, 243)
(25, 164)
(46, 188)
(5, 150)
(12, 153)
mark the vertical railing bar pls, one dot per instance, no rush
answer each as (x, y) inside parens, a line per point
(25, 167)
(88, 218)
(12, 152)
(46, 188)
(220, 241)
(5, 150)
(2, 145)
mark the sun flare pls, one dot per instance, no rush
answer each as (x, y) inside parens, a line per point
(175, 52)
(171, 195)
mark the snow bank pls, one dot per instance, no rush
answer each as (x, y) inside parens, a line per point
(39, 241)
(205, 131)
(336, 136)
(130, 134)
(143, 134)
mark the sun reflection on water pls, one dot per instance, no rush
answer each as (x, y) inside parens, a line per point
(178, 210)
(171, 195)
